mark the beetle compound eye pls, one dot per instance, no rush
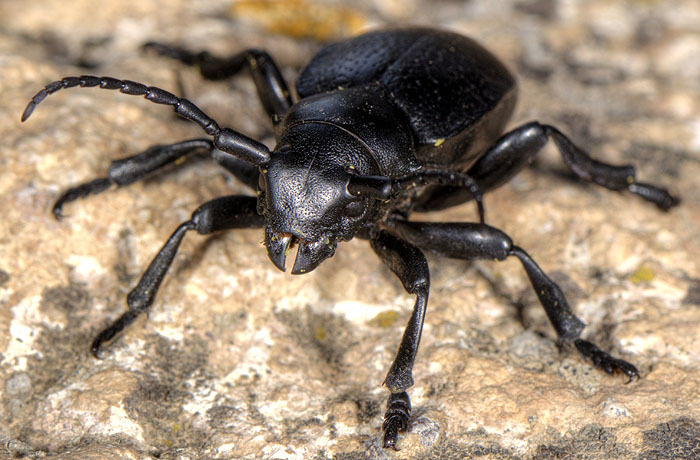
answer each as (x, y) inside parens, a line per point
(354, 208)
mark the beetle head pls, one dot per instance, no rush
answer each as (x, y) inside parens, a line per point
(312, 204)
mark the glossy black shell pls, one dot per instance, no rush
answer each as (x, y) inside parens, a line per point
(453, 94)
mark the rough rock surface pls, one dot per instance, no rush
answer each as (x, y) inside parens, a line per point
(238, 360)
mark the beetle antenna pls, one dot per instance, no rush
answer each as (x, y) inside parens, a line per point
(439, 177)
(225, 139)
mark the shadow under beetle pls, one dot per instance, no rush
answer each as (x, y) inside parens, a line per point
(386, 123)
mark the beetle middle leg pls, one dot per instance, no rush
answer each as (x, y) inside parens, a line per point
(411, 267)
(272, 89)
(222, 213)
(128, 170)
(131, 169)
(481, 241)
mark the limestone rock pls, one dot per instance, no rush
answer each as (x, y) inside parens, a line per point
(238, 360)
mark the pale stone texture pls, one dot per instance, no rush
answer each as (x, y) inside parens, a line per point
(238, 360)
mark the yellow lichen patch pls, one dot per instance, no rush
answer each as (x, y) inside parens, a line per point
(384, 319)
(643, 274)
(320, 333)
(301, 18)
(439, 142)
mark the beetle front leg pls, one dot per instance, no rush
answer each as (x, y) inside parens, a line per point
(515, 149)
(411, 267)
(480, 241)
(272, 89)
(219, 214)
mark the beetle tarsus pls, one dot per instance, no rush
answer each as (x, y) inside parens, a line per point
(80, 191)
(398, 410)
(605, 361)
(657, 195)
(110, 332)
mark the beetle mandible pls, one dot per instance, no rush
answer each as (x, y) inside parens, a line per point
(386, 123)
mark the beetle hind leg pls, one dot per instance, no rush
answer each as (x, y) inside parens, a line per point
(272, 89)
(567, 325)
(513, 150)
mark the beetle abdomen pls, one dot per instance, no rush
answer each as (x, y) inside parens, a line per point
(445, 83)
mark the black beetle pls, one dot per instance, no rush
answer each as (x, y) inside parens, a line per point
(386, 123)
